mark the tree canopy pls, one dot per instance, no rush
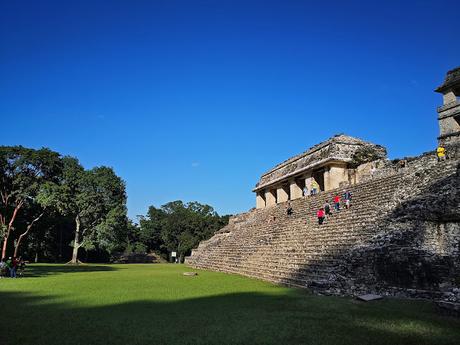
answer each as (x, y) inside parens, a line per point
(178, 227)
(53, 208)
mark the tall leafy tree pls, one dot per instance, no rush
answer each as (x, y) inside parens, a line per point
(23, 172)
(96, 200)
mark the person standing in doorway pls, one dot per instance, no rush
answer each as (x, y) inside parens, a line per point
(305, 191)
(314, 187)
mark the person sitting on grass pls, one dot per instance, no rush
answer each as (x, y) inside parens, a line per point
(321, 216)
(3, 269)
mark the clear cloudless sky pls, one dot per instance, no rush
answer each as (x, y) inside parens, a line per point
(194, 100)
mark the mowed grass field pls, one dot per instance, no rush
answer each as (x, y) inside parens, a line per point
(156, 304)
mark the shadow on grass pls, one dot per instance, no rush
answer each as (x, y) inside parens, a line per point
(37, 270)
(243, 318)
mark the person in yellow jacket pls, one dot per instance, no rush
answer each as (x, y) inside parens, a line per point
(441, 152)
(314, 187)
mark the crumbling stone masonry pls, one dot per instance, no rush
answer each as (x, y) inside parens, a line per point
(400, 237)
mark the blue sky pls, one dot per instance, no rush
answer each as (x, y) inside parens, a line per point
(194, 100)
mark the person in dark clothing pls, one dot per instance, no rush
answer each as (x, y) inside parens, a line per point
(347, 198)
(14, 267)
(289, 209)
(327, 209)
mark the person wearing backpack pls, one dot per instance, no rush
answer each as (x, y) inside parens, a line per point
(347, 197)
(327, 209)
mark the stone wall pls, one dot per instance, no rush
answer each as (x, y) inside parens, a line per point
(400, 237)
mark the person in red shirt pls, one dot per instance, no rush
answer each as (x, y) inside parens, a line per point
(321, 216)
(337, 203)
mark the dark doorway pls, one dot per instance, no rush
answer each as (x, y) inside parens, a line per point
(275, 195)
(318, 175)
(457, 119)
(301, 183)
(287, 189)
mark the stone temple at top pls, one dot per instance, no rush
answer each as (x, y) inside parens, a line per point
(331, 163)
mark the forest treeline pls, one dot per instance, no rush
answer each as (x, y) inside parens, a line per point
(53, 209)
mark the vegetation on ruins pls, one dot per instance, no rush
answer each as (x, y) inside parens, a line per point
(366, 154)
(156, 304)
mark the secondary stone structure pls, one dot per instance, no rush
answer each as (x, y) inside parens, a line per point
(329, 164)
(449, 112)
(400, 237)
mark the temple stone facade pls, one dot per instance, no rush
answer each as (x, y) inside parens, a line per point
(330, 164)
(400, 237)
(449, 112)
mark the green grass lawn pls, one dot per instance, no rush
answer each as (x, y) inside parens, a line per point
(156, 304)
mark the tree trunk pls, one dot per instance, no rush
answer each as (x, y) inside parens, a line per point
(16, 248)
(9, 227)
(5, 242)
(76, 243)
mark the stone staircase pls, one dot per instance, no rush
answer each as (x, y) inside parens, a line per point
(294, 250)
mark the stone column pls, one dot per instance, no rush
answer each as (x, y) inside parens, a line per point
(270, 198)
(449, 97)
(260, 200)
(327, 179)
(308, 181)
(336, 175)
(281, 195)
(296, 191)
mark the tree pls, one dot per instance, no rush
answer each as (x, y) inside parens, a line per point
(96, 200)
(178, 227)
(23, 171)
